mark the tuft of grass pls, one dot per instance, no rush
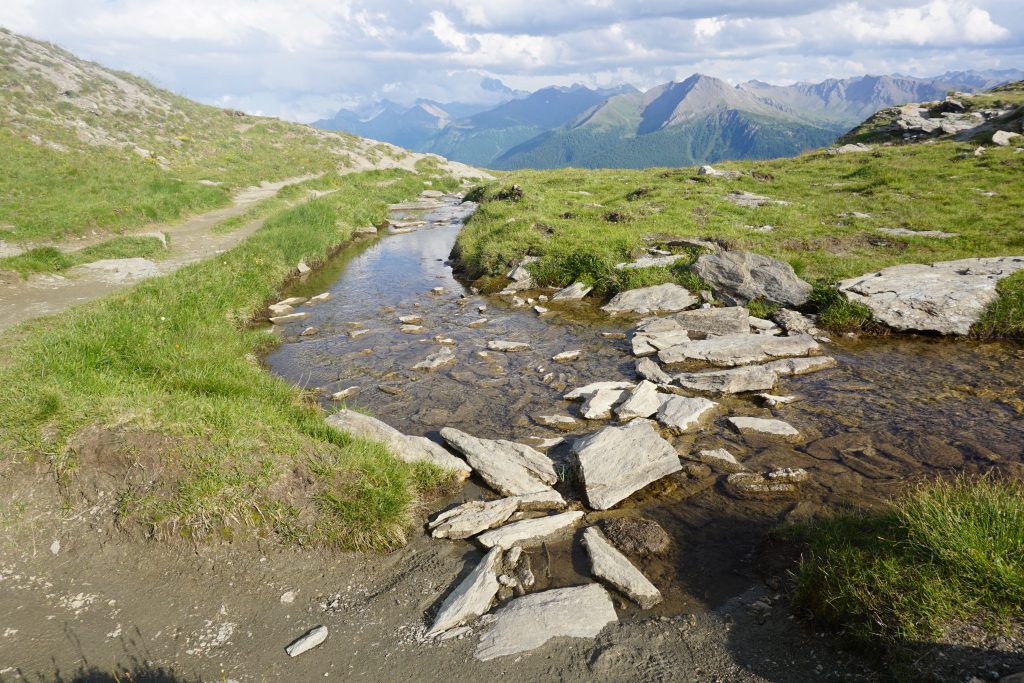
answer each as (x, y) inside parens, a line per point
(948, 551)
(1005, 317)
(759, 308)
(176, 356)
(52, 260)
(839, 314)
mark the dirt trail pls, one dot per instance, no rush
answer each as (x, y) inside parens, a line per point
(190, 241)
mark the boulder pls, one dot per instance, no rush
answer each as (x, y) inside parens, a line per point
(508, 467)
(406, 448)
(612, 567)
(471, 518)
(636, 535)
(760, 425)
(643, 401)
(745, 276)
(733, 381)
(616, 462)
(652, 372)
(683, 413)
(472, 597)
(739, 349)
(528, 622)
(947, 297)
(529, 531)
(573, 292)
(666, 298)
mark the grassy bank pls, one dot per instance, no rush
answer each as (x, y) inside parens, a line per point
(174, 357)
(51, 260)
(949, 553)
(581, 223)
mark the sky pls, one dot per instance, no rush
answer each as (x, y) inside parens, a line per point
(304, 59)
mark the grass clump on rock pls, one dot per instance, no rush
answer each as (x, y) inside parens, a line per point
(161, 383)
(948, 552)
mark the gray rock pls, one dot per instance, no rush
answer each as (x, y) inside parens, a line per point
(794, 475)
(649, 261)
(366, 231)
(564, 422)
(683, 413)
(788, 367)
(721, 459)
(616, 462)
(739, 349)
(751, 200)
(472, 597)
(310, 332)
(589, 390)
(508, 467)
(760, 425)
(598, 406)
(652, 372)
(566, 356)
(849, 149)
(795, 322)
(319, 298)
(666, 298)
(744, 276)
(773, 401)
(714, 173)
(405, 448)
(411, 329)
(436, 360)
(611, 566)
(1004, 138)
(903, 232)
(643, 401)
(646, 343)
(529, 531)
(344, 393)
(507, 346)
(751, 486)
(717, 321)
(410, 319)
(732, 381)
(471, 518)
(548, 499)
(480, 322)
(528, 622)
(573, 292)
(307, 641)
(292, 301)
(947, 297)
(521, 277)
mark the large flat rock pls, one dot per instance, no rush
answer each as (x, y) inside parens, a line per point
(472, 597)
(732, 381)
(726, 320)
(667, 298)
(618, 461)
(615, 569)
(745, 276)
(528, 622)
(529, 531)
(406, 448)
(508, 467)
(739, 349)
(947, 297)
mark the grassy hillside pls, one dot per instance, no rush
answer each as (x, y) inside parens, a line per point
(85, 148)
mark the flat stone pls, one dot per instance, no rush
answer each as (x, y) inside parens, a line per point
(751, 200)
(573, 292)
(589, 390)
(904, 232)
(526, 623)
(616, 462)
(480, 322)
(119, 270)
(739, 349)
(733, 381)
(563, 422)
(652, 372)
(647, 261)
(647, 343)
(611, 566)
(744, 276)
(472, 597)
(849, 149)
(280, 309)
(529, 531)
(716, 321)
(344, 393)
(508, 467)
(683, 413)
(720, 458)
(310, 332)
(436, 360)
(540, 310)
(946, 297)
(788, 367)
(307, 641)
(773, 401)
(319, 298)
(410, 319)
(666, 298)
(759, 425)
(292, 301)
(714, 173)
(795, 322)
(411, 329)
(751, 486)
(643, 401)
(289, 318)
(365, 231)
(471, 518)
(541, 500)
(508, 346)
(567, 356)
(598, 406)
(406, 448)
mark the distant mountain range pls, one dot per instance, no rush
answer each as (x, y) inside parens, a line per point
(699, 120)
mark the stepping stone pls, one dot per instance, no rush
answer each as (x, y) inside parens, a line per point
(541, 500)
(280, 309)
(412, 329)
(472, 597)
(566, 356)
(666, 298)
(652, 372)
(616, 462)
(471, 518)
(529, 531)
(717, 321)
(683, 413)
(507, 346)
(410, 319)
(647, 343)
(292, 301)
(643, 401)
(477, 323)
(526, 623)
(589, 390)
(319, 298)
(739, 349)
(288, 318)
(759, 425)
(507, 467)
(598, 405)
(799, 366)
(612, 567)
(733, 381)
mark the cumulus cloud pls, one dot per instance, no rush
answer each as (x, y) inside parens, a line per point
(302, 59)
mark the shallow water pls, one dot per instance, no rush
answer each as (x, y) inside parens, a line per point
(894, 411)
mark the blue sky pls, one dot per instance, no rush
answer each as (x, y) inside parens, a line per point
(303, 59)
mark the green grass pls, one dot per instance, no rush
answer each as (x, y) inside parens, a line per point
(947, 552)
(919, 187)
(176, 356)
(1006, 316)
(52, 260)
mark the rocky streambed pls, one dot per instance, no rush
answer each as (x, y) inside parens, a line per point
(623, 465)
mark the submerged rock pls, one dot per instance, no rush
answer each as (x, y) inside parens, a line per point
(508, 467)
(636, 535)
(720, 458)
(745, 276)
(749, 485)
(472, 597)
(667, 298)
(528, 622)
(507, 346)
(614, 568)
(616, 462)
(436, 360)
(529, 531)
(799, 366)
